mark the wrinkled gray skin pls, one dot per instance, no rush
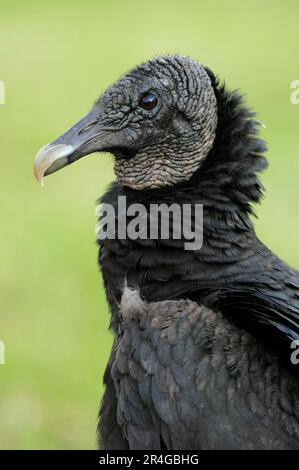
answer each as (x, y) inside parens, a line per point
(186, 108)
(155, 148)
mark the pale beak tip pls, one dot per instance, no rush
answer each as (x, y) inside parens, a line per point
(49, 156)
(38, 176)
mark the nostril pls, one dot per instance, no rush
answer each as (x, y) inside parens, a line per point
(87, 127)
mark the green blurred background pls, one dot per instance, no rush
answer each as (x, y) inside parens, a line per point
(55, 58)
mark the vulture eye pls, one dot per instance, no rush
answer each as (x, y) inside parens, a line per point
(148, 102)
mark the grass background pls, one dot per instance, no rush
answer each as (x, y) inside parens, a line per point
(55, 58)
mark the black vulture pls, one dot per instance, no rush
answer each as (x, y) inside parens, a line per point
(203, 338)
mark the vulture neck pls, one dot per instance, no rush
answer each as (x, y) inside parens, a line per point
(227, 182)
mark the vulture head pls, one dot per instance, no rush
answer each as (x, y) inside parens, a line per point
(159, 121)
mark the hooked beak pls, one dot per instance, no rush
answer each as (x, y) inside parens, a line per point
(51, 158)
(86, 136)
